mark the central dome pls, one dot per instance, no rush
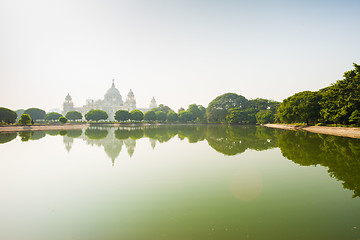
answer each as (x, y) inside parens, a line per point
(113, 95)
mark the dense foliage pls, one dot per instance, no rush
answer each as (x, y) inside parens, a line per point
(63, 120)
(150, 116)
(7, 115)
(122, 115)
(96, 115)
(219, 107)
(25, 119)
(136, 115)
(35, 113)
(160, 116)
(52, 116)
(74, 115)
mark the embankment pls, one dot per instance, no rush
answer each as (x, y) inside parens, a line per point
(337, 131)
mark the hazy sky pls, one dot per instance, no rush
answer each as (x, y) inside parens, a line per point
(180, 51)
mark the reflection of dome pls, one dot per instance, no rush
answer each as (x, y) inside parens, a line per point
(113, 95)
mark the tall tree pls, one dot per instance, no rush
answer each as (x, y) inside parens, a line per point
(136, 115)
(301, 107)
(35, 113)
(219, 107)
(7, 115)
(342, 98)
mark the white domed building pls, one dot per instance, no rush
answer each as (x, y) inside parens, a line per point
(111, 103)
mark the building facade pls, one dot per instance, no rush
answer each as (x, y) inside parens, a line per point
(111, 103)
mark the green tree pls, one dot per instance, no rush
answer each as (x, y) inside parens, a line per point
(52, 116)
(7, 137)
(136, 115)
(150, 116)
(301, 107)
(162, 108)
(35, 113)
(342, 98)
(74, 115)
(172, 117)
(7, 115)
(355, 117)
(265, 116)
(62, 120)
(219, 107)
(122, 115)
(198, 112)
(96, 115)
(25, 119)
(185, 116)
(19, 112)
(160, 116)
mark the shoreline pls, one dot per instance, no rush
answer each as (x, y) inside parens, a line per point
(59, 127)
(336, 131)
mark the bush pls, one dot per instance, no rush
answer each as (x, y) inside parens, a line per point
(52, 116)
(96, 115)
(25, 119)
(63, 120)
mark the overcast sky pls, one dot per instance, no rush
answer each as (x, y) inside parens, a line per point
(180, 51)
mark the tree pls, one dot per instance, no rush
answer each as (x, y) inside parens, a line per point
(219, 107)
(122, 115)
(96, 115)
(160, 116)
(185, 116)
(7, 115)
(150, 116)
(52, 116)
(94, 133)
(241, 116)
(265, 116)
(342, 98)
(136, 115)
(19, 112)
(74, 115)
(301, 107)
(172, 117)
(25, 119)
(62, 120)
(162, 108)
(198, 112)
(35, 113)
(355, 117)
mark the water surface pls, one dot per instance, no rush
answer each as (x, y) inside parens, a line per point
(179, 182)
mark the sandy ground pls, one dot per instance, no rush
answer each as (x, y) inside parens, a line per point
(337, 131)
(41, 127)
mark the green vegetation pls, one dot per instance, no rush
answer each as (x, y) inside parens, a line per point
(52, 116)
(172, 117)
(122, 115)
(35, 113)
(136, 115)
(160, 116)
(96, 115)
(7, 115)
(74, 115)
(19, 112)
(162, 108)
(25, 119)
(63, 120)
(94, 133)
(7, 137)
(150, 116)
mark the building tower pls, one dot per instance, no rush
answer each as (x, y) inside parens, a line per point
(68, 105)
(130, 103)
(153, 103)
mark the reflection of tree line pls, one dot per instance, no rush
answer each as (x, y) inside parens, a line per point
(341, 155)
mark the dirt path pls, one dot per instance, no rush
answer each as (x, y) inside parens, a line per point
(41, 127)
(337, 131)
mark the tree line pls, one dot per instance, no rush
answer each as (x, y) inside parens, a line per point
(338, 103)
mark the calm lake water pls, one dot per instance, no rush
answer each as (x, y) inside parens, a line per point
(179, 182)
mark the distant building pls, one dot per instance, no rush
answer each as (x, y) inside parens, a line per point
(111, 103)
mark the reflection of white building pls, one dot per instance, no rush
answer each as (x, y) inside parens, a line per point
(111, 103)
